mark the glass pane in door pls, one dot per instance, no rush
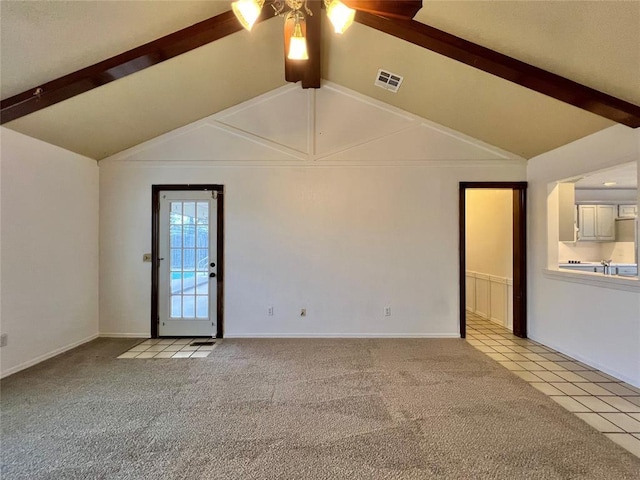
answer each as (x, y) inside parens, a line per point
(189, 262)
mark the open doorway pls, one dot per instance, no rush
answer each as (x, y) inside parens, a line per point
(517, 307)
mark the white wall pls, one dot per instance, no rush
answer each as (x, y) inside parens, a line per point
(1, 330)
(618, 252)
(49, 250)
(489, 249)
(489, 231)
(607, 196)
(342, 228)
(598, 325)
(583, 251)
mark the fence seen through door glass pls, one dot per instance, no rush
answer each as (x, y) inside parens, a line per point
(189, 247)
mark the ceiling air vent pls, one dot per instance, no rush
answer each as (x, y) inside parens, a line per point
(388, 81)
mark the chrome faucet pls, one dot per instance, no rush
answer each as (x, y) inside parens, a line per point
(607, 266)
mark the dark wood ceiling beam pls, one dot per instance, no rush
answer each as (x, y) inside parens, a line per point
(312, 72)
(506, 67)
(122, 65)
(404, 9)
(417, 33)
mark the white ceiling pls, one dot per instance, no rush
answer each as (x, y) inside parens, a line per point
(44, 40)
(625, 177)
(595, 43)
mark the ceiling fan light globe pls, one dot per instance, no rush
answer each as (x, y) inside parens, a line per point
(298, 49)
(297, 41)
(247, 11)
(340, 15)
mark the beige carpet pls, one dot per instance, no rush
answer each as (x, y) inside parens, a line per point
(294, 409)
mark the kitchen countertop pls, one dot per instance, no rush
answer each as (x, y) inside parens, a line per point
(597, 264)
(596, 268)
(617, 282)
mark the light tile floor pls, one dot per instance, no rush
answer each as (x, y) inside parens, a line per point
(170, 348)
(606, 403)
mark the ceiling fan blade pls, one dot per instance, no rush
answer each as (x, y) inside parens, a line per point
(403, 9)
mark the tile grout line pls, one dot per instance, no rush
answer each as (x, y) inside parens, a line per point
(592, 387)
(161, 347)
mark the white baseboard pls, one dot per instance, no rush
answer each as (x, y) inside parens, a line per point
(342, 335)
(581, 358)
(125, 335)
(46, 356)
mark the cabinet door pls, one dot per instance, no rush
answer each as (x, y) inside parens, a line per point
(587, 222)
(567, 212)
(605, 222)
(627, 270)
(627, 210)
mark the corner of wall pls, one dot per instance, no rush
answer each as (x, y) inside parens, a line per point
(49, 266)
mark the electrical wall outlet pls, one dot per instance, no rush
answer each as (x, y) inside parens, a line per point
(303, 312)
(270, 311)
(4, 338)
(387, 311)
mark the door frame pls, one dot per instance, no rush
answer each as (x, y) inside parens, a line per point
(155, 251)
(519, 238)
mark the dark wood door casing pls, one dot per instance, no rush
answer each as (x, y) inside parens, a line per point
(519, 239)
(155, 250)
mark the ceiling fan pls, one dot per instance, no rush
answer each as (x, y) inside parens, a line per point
(302, 32)
(392, 17)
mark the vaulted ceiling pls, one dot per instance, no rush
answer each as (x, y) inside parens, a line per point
(593, 43)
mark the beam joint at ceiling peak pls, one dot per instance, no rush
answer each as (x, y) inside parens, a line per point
(402, 9)
(506, 67)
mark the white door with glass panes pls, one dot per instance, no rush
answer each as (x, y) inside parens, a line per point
(187, 279)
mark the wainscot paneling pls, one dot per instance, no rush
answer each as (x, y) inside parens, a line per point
(490, 297)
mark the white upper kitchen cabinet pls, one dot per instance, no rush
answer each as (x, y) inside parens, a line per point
(597, 223)
(567, 212)
(627, 211)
